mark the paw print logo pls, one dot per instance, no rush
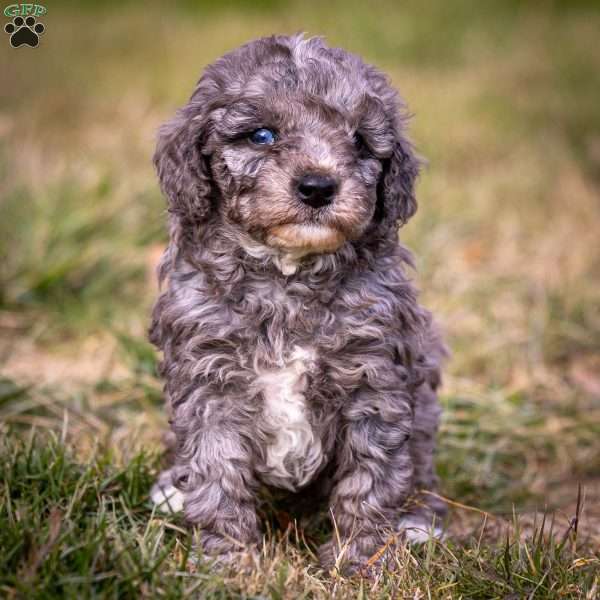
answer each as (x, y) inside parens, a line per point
(24, 32)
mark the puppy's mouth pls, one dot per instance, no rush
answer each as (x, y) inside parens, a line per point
(305, 238)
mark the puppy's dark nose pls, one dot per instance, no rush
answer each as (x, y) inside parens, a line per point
(316, 190)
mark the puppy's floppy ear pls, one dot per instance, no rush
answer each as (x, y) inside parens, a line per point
(396, 202)
(183, 169)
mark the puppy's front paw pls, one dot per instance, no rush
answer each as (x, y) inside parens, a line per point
(168, 499)
(360, 555)
(327, 554)
(342, 560)
(243, 560)
(418, 529)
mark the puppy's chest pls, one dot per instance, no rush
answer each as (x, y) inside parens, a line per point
(283, 342)
(293, 449)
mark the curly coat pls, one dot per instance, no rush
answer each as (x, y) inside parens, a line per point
(295, 351)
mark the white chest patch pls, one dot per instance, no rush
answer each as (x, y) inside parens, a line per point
(295, 453)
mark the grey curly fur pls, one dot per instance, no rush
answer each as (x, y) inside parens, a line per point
(246, 284)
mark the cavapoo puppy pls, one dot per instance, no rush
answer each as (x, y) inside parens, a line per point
(294, 349)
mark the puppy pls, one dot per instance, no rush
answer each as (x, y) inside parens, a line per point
(294, 349)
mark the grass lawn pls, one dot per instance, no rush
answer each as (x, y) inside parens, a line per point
(506, 104)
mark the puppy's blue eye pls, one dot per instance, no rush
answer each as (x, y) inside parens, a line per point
(262, 136)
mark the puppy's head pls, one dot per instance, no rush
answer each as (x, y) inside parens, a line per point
(299, 146)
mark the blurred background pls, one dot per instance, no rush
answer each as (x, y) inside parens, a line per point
(505, 98)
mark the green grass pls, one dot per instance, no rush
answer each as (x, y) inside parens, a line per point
(506, 97)
(86, 530)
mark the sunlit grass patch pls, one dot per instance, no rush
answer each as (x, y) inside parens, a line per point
(73, 529)
(60, 253)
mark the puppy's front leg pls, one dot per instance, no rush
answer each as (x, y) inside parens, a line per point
(220, 489)
(374, 478)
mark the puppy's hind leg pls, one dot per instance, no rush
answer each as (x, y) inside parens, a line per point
(425, 513)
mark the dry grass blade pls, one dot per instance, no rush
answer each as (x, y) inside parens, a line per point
(37, 554)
